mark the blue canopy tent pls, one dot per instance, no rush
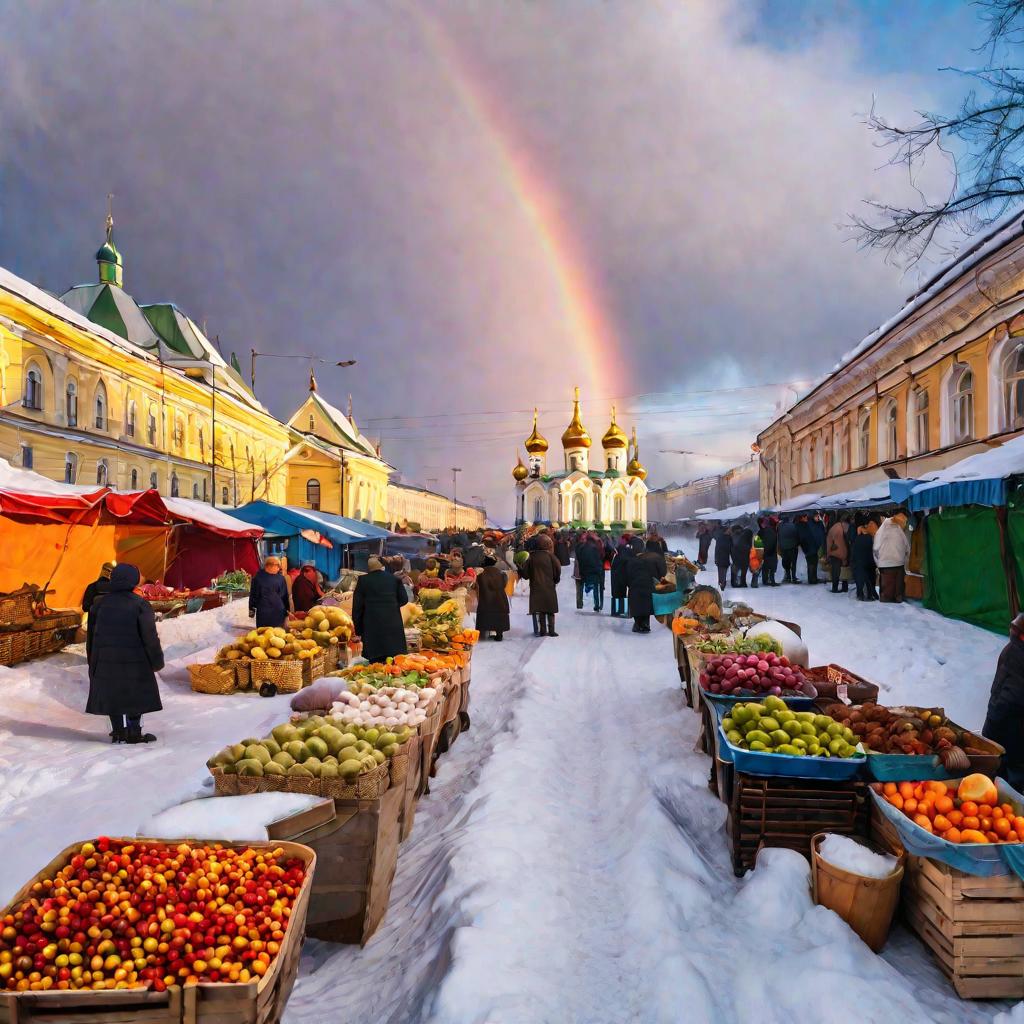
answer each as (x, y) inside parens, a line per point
(301, 533)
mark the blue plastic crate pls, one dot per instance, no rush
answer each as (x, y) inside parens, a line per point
(906, 767)
(757, 762)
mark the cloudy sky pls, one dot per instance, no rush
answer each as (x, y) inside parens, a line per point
(485, 202)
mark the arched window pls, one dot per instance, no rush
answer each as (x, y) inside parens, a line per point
(538, 510)
(888, 438)
(826, 455)
(71, 403)
(129, 419)
(1012, 379)
(70, 468)
(313, 494)
(134, 484)
(961, 402)
(154, 481)
(845, 464)
(100, 407)
(619, 507)
(179, 433)
(151, 425)
(577, 508)
(174, 485)
(224, 496)
(195, 491)
(33, 398)
(817, 459)
(312, 423)
(102, 473)
(919, 421)
(864, 438)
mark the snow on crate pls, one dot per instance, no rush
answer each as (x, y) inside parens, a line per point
(233, 818)
(848, 855)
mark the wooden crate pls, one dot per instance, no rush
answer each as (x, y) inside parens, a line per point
(973, 926)
(257, 1002)
(780, 812)
(357, 853)
(411, 794)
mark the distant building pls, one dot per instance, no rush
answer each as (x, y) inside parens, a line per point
(411, 507)
(941, 380)
(612, 494)
(737, 486)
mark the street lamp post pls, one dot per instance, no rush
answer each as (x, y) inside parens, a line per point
(456, 470)
(253, 355)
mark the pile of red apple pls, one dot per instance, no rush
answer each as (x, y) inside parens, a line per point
(764, 672)
(126, 914)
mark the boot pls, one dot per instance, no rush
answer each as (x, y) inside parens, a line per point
(499, 635)
(118, 734)
(537, 625)
(551, 626)
(844, 588)
(134, 734)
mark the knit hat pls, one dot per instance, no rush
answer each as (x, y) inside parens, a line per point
(373, 563)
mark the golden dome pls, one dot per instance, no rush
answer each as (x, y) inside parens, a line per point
(576, 435)
(520, 472)
(636, 467)
(614, 437)
(536, 443)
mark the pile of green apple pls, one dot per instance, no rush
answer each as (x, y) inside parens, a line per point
(314, 748)
(770, 727)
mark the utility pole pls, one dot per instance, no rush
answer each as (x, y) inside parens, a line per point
(456, 470)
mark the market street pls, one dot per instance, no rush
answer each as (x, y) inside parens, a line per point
(569, 851)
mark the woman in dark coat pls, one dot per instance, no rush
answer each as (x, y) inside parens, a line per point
(543, 572)
(562, 549)
(620, 570)
(492, 605)
(742, 539)
(723, 554)
(704, 535)
(376, 612)
(643, 572)
(124, 655)
(98, 587)
(770, 558)
(306, 590)
(1004, 721)
(268, 595)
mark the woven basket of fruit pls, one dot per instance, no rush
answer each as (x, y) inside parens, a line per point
(16, 606)
(371, 785)
(287, 676)
(213, 679)
(241, 987)
(314, 667)
(400, 763)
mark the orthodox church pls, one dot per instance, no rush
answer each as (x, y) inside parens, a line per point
(610, 494)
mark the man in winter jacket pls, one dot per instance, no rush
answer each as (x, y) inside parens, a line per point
(770, 555)
(723, 554)
(862, 560)
(838, 552)
(809, 546)
(891, 550)
(789, 544)
(1004, 721)
(742, 538)
(704, 537)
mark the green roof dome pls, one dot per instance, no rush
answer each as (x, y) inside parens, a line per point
(107, 253)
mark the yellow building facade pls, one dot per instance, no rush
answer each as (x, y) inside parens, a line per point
(427, 510)
(941, 381)
(81, 404)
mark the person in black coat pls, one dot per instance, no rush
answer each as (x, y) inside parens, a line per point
(620, 578)
(268, 595)
(98, 587)
(723, 554)
(562, 549)
(742, 538)
(590, 556)
(543, 571)
(124, 655)
(704, 535)
(789, 545)
(492, 605)
(642, 573)
(770, 557)
(810, 545)
(306, 589)
(862, 561)
(1004, 721)
(376, 612)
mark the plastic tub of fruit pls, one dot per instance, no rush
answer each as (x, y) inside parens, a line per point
(154, 985)
(906, 767)
(972, 857)
(744, 676)
(797, 701)
(797, 766)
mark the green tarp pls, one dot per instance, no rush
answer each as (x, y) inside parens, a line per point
(965, 576)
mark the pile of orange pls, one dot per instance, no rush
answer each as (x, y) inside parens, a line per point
(964, 812)
(465, 638)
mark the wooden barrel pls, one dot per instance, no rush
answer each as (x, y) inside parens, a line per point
(866, 904)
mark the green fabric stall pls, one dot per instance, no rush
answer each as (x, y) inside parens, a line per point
(965, 576)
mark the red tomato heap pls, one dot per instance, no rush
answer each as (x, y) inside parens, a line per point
(149, 915)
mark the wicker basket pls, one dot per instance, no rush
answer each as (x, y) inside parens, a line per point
(243, 673)
(331, 657)
(57, 620)
(215, 679)
(399, 764)
(224, 783)
(370, 785)
(285, 675)
(16, 606)
(30, 643)
(313, 668)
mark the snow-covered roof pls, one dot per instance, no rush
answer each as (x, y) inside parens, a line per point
(996, 463)
(344, 425)
(733, 512)
(25, 481)
(207, 515)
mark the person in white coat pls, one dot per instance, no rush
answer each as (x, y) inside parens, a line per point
(891, 549)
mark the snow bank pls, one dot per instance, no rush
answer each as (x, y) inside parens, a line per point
(849, 855)
(233, 818)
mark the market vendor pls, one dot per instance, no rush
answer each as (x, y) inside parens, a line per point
(1004, 722)
(376, 612)
(98, 587)
(306, 589)
(268, 595)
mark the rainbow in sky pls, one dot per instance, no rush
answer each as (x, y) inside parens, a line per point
(588, 322)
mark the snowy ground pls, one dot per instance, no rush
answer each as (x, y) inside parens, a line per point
(569, 864)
